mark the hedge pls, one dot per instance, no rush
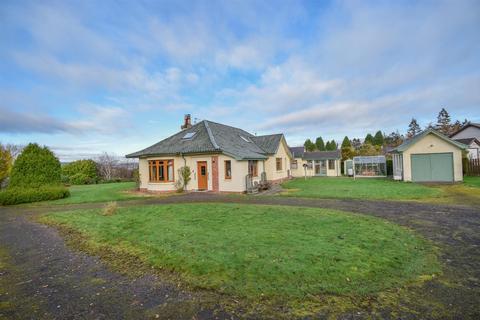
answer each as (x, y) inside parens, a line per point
(17, 195)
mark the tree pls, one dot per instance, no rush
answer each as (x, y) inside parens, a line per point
(5, 163)
(309, 145)
(368, 149)
(368, 139)
(333, 145)
(320, 144)
(81, 172)
(35, 167)
(413, 128)
(106, 166)
(378, 139)
(356, 143)
(443, 122)
(394, 139)
(327, 146)
(346, 143)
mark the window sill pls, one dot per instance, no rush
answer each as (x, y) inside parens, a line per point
(161, 182)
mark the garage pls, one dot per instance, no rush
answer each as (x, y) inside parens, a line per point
(429, 157)
(433, 167)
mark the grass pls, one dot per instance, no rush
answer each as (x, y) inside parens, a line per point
(255, 251)
(366, 188)
(473, 182)
(97, 193)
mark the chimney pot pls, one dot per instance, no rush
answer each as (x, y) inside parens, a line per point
(187, 122)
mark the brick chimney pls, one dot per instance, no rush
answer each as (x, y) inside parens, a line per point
(187, 122)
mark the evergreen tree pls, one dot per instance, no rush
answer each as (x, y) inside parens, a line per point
(35, 167)
(413, 128)
(368, 139)
(346, 143)
(320, 145)
(327, 146)
(333, 145)
(309, 145)
(443, 122)
(378, 138)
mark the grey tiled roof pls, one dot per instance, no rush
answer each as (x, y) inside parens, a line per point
(322, 155)
(268, 143)
(297, 152)
(468, 141)
(212, 137)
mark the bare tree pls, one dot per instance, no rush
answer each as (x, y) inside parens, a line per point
(106, 165)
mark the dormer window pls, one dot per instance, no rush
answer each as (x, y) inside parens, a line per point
(188, 135)
(246, 139)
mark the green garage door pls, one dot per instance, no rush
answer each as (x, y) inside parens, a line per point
(432, 167)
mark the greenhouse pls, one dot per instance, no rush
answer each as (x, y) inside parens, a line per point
(369, 166)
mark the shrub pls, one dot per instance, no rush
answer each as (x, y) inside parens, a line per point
(80, 178)
(184, 177)
(18, 195)
(35, 167)
(81, 172)
(110, 208)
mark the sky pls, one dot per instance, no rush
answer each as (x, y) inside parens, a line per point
(84, 77)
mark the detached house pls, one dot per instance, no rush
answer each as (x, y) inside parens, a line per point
(221, 158)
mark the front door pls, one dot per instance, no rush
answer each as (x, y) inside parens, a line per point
(321, 167)
(202, 175)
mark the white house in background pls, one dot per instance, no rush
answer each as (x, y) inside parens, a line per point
(221, 158)
(469, 135)
(319, 163)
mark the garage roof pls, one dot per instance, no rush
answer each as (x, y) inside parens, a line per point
(410, 142)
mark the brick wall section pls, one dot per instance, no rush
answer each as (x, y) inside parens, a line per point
(215, 183)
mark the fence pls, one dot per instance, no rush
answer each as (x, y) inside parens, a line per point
(471, 167)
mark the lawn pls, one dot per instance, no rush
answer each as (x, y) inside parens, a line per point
(97, 193)
(342, 187)
(257, 251)
(473, 182)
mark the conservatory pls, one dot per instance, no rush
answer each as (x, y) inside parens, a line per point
(369, 166)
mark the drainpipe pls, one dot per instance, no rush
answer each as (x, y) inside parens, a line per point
(185, 164)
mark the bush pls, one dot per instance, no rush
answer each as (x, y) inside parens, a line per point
(110, 208)
(35, 167)
(81, 172)
(81, 178)
(18, 195)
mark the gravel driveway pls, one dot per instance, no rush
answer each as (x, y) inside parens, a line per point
(41, 278)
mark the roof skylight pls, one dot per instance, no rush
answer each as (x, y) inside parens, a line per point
(188, 135)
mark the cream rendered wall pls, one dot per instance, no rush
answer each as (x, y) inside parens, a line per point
(432, 144)
(178, 162)
(300, 171)
(239, 172)
(271, 164)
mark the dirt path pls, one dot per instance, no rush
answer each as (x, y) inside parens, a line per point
(41, 278)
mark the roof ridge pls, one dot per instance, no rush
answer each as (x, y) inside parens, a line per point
(226, 125)
(210, 135)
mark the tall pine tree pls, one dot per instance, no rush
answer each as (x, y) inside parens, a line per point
(443, 122)
(320, 144)
(346, 143)
(413, 128)
(378, 139)
(309, 145)
(368, 139)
